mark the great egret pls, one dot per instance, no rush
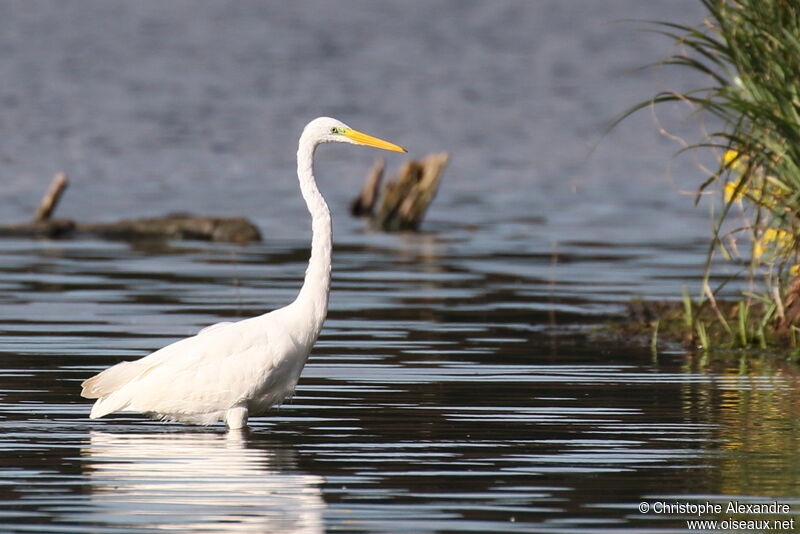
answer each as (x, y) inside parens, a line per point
(231, 370)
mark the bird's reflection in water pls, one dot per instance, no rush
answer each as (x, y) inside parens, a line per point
(198, 482)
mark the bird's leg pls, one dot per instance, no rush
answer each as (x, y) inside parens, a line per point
(236, 417)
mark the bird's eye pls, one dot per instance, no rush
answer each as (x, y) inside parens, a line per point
(334, 130)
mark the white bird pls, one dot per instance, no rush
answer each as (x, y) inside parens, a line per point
(231, 370)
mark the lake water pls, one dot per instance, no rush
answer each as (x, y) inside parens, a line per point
(456, 386)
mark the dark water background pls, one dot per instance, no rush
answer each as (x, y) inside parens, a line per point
(454, 388)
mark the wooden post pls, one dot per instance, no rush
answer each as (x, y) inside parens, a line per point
(365, 202)
(405, 199)
(413, 207)
(51, 198)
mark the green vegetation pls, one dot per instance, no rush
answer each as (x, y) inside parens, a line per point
(750, 52)
(719, 325)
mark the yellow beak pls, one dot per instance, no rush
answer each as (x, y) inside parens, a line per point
(364, 139)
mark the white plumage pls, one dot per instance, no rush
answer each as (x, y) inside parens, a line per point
(231, 370)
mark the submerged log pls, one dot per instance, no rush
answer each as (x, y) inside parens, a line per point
(404, 200)
(42, 225)
(177, 226)
(49, 228)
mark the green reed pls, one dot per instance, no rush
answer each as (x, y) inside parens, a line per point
(749, 50)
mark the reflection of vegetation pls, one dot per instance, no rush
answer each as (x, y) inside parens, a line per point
(754, 407)
(750, 50)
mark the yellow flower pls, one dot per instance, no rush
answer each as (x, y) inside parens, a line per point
(771, 238)
(734, 160)
(794, 269)
(776, 234)
(731, 194)
(758, 249)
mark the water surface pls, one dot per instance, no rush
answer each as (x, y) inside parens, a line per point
(456, 386)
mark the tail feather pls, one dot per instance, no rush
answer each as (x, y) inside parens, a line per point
(110, 380)
(106, 386)
(107, 405)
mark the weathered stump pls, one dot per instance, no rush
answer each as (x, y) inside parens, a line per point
(405, 200)
(365, 202)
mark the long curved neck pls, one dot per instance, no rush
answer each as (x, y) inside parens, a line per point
(313, 296)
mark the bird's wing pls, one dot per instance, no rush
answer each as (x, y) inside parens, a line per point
(119, 375)
(210, 371)
(209, 381)
(214, 327)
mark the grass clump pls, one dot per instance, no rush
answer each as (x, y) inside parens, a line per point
(699, 327)
(749, 50)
